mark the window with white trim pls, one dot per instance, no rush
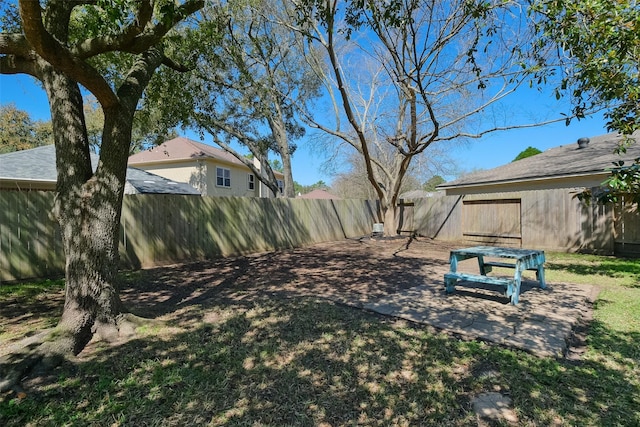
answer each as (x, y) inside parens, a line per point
(223, 177)
(251, 183)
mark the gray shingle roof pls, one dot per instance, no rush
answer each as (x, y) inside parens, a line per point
(319, 194)
(39, 164)
(148, 183)
(564, 161)
(35, 164)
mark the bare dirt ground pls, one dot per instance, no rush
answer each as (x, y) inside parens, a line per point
(354, 272)
(397, 274)
(400, 277)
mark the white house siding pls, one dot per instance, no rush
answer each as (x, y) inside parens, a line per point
(189, 172)
(239, 181)
(201, 174)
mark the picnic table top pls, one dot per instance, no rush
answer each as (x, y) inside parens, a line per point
(498, 252)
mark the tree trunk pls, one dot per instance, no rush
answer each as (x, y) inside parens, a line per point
(279, 132)
(87, 208)
(390, 221)
(289, 188)
(92, 304)
(87, 204)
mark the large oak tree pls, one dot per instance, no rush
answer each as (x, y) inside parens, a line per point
(110, 48)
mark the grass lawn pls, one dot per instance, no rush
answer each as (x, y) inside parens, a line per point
(268, 361)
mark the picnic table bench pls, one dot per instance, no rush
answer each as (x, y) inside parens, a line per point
(521, 260)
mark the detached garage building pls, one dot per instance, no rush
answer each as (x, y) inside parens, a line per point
(531, 203)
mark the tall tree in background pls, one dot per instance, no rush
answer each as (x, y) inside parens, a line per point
(250, 76)
(19, 132)
(599, 49)
(112, 49)
(407, 75)
(355, 184)
(432, 183)
(527, 152)
(147, 128)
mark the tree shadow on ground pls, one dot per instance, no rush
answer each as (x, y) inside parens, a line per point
(255, 340)
(301, 361)
(334, 272)
(598, 390)
(621, 268)
(28, 308)
(293, 362)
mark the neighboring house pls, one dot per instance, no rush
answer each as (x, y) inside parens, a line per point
(531, 203)
(35, 170)
(319, 194)
(567, 166)
(212, 171)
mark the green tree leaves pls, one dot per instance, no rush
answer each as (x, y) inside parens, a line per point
(599, 45)
(601, 41)
(527, 152)
(19, 132)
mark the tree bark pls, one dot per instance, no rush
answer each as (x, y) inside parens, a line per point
(279, 131)
(87, 208)
(88, 203)
(390, 221)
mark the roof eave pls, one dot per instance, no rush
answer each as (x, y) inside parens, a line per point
(183, 159)
(163, 161)
(14, 179)
(523, 180)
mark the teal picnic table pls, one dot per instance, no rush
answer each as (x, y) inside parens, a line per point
(518, 259)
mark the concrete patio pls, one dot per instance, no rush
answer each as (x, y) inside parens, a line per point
(542, 323)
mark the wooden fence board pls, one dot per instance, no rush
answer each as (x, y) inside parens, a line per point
(159, 229)
(627, 229)
(549, 219)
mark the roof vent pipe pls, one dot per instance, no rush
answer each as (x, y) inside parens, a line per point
(583, 142)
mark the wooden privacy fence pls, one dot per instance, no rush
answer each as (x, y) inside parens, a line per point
(541, 219)
(627, 229)
(159, 229)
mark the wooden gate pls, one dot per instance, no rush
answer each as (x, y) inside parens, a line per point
(406, 214)
(494, 221)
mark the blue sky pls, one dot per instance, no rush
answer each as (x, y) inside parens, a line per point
(484, 153)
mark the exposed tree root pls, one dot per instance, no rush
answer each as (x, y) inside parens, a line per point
(16, 364)
(39, 354)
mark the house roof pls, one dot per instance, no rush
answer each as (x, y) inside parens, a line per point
(319, 194)
(566, 161)
(182, 149)
(39, 165)
(149, 183)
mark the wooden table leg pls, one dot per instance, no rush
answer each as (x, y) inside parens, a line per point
(540, 276)
(484, 269)
(517, 280)
(449, 284)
